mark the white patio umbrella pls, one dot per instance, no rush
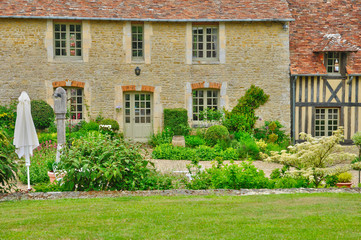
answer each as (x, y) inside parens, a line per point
(25, 138)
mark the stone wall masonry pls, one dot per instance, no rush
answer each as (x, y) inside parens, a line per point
(255, 53)
(18, 196)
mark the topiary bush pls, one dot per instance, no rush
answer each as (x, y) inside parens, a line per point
(242, 117)
(216, 133)
(112, 122)
(176, 120)
(42, 113)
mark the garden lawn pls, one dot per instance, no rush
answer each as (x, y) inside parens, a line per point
(293, 216)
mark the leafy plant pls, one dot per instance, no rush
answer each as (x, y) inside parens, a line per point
(114, 124)
(315, 157)
(272, 132)
(242, 117)
(161, 138)
(42, 113)
(229, 176)
(43, 157)
(194, 141)
(97, 162)
(210, 114)
(8, 118)
(216, 133)
(344, 177)
(7, 164)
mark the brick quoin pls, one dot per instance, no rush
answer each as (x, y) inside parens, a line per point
(211, 85)
(128, 88)
(64, 84)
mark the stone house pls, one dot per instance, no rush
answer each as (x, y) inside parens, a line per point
(325, 67)
(129, 60)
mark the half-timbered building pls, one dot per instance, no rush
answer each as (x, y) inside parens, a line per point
(325, 67)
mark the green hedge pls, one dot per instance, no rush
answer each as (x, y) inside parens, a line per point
(42, 113)
(176, 120)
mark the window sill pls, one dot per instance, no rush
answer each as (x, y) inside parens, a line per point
(200, 62)
(67, 60)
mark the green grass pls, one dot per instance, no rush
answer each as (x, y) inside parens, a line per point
(293, 216)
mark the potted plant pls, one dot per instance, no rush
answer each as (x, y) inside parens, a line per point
(344, 180)
(51, 172)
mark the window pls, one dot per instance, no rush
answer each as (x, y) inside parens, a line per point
(204, 99)
(326, 121)
(137, 42)
(335, 63)
(205, 42)
(75, 103)
(68, 40)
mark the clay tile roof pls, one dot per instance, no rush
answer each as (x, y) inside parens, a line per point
(151, 10)
(335, 43)
(321, 26)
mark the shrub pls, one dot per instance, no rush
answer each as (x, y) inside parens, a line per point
(194, 141)
(216, 133)
(48, 187)
(242, 117)
(44, 155)
(161, 138)
(205, 153)
(271, 132)
(344, 177)
(7, 164)
(177, 121)
(315, 157)
(97, 162)
(8, 118)
(112, 122)
(42, 113)
(230, 176)
(247, 147)
(43, 137)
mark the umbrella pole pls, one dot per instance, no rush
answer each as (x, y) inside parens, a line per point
(28, 178)
(27, 163)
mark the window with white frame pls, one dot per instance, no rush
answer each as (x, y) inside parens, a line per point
(204, 99)
(335, 63)
(326, 121)
(205, 42)
(137, 41)
(68, 40)
(75, 103)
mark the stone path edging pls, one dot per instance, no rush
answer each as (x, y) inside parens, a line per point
(176, 192)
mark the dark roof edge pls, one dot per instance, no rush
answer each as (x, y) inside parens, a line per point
(320, 75)
(154, 20)
(309, 75)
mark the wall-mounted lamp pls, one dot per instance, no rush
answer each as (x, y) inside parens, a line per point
(285, 26)
(137, 71)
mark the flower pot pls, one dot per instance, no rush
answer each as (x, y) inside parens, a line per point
(51, 176)
(347, 185)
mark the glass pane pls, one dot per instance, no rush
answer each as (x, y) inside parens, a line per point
(127, 97)
(127, 119)
(148, 119)
(148, 96)
(136, 96)
(57, 27)
(137, 120)
(80, 100)
(63, 27)
(80, 108)
(127, 111)
(142, 119)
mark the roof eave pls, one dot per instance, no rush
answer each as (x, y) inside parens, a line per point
(153, 20)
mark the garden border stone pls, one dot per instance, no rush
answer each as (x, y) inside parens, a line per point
(17, 196)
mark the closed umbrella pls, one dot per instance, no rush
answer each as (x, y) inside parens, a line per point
(25, 138)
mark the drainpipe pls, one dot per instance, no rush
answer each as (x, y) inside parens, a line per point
(293, 79)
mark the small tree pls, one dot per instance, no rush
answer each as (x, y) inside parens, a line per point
(315, 157)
